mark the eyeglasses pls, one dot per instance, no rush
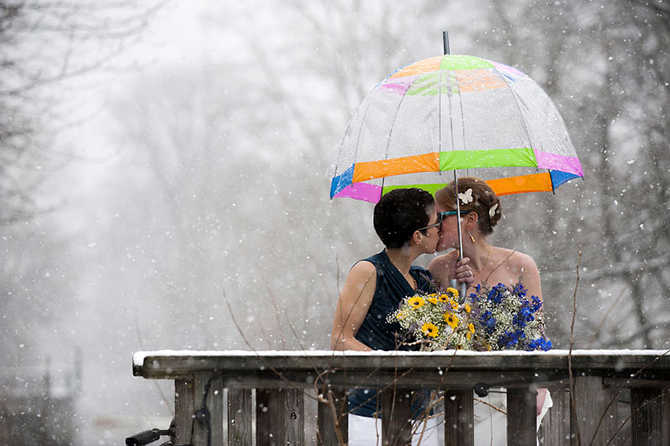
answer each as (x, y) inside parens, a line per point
(437, 225)
(445, 214)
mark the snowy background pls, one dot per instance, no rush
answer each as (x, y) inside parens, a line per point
(163, 163)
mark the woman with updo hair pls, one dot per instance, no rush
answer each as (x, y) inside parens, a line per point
(481, 211)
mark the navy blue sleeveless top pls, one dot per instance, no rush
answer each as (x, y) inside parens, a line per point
(376, 332)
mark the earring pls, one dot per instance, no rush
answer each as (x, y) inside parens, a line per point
(472, 239)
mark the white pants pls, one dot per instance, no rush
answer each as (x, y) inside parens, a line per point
(364, 431)
(490, 425)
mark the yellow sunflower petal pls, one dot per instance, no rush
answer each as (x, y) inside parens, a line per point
(416, 302)
(452, 291)
(429, 329)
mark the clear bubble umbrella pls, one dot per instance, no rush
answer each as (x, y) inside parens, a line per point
(454, 112)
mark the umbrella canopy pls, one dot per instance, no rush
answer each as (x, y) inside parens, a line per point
(448, 113)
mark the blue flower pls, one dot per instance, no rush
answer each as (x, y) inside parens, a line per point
(519, 290)
(524, 316)
(496, 294)
(539, 344)
(537, 303)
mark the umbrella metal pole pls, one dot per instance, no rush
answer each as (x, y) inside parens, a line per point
(463, 287)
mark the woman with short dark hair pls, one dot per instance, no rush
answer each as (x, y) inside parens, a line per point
(406, 222)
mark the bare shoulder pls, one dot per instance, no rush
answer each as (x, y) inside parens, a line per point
(362, 268)
(525, 262)
(524, 266)
(361, 275)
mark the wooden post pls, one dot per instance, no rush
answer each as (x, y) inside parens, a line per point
(332, 416)
(280, 417)
(239, 417)
(647, 411)
(459, 418)
(555, 427)
(396, 405)
(521, 416)
(207, 409)
(595, 419)
(183, 403)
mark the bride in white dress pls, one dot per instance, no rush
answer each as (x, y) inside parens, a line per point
(481, 211)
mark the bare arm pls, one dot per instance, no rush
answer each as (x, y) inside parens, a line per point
(531, 275)
(531, 280)
(352, 307)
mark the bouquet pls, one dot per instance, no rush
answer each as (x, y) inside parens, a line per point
(506, 319)
(436, 320)
(497, 318)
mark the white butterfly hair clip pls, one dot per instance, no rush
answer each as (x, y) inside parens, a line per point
(492, 211)
(466, 197)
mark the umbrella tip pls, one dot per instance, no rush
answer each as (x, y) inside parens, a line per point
(445, 41)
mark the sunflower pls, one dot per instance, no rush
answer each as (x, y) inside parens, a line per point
(471, 327)
(416, 302)
(400, 315)
(451, 319)
(452, 292)
(429, 329)
(433, 300)
(467, 307)
(443, 298)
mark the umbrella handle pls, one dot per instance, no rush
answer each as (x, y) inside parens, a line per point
(462, 289)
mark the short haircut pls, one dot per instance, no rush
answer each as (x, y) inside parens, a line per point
(401, 212)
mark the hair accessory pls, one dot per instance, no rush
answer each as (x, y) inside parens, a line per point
(492, 211)
(466, 197)
(471, 237)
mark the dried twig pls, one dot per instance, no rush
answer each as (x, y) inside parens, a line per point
(572, 341)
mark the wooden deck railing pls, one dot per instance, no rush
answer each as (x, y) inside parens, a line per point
(236, 397)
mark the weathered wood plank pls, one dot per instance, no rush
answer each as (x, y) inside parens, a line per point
(666, 416)
(595, 420)
(240, 417)
(280, 417)
(183, 403)
(176, 364)
(521, 417)
(396, 406)
(459, 418)
(373, 378)
(555, 427)
(207, 404)
(647, 411)
(333, 418)
(215, 403)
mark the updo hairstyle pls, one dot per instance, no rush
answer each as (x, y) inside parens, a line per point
(477, 196)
